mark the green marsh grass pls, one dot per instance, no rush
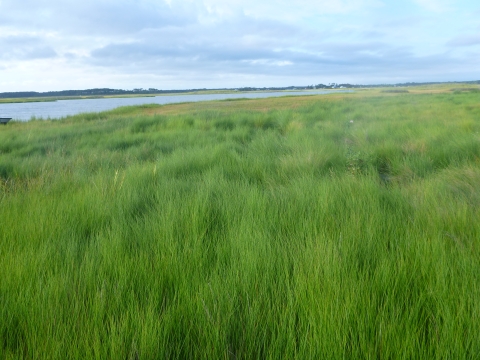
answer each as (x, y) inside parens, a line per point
(257, 231)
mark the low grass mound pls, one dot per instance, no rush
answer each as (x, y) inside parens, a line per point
(395, 91)
(337, 227)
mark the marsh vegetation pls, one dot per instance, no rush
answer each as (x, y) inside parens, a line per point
(272, 228)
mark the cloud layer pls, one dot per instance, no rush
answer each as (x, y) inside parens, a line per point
(54, 45)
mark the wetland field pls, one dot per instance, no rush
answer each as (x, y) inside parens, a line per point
(342, 226)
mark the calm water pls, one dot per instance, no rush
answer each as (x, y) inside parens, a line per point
(62, 108)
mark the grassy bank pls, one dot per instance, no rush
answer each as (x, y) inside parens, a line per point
(142, 95)
(320, 227)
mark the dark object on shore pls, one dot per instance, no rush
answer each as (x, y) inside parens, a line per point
(4, 121)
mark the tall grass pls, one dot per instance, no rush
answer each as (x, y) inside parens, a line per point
(290, 233)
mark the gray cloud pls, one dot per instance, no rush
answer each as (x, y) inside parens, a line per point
(363, 61)
(465, 41)
(25, 48)
(240, 39)
(90, 17)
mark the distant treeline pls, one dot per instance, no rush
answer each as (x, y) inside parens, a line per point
(91, 92)
(106, 91)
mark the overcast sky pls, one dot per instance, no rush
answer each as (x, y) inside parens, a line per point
(177, 44)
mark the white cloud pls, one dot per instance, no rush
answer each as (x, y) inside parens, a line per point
(437, 6)
(285, 10)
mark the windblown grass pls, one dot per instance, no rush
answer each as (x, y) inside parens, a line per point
(220, 233)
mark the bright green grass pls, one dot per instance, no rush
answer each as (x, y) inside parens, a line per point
(245, 234)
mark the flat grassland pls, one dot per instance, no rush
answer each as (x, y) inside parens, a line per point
(337, 226)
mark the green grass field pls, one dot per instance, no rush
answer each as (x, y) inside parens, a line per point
(259, 229)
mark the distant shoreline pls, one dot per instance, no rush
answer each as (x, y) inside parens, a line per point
(25, 111)
(100, 93)
(119, 96)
